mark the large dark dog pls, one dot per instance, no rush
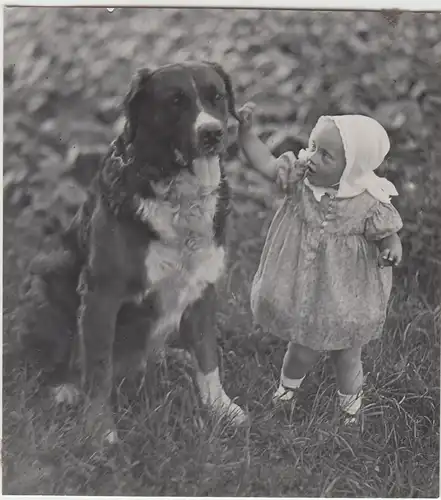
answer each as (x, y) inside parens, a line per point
(142, 256)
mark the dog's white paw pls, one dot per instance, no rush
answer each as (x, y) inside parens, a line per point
(230, 411)
(99, 423)
(214, 397)
(110, 437)
(66, 394)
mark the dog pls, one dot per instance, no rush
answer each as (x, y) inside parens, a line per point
(142, 256)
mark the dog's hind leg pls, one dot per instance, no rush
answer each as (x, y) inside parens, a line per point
(199, 338)
(47, 321)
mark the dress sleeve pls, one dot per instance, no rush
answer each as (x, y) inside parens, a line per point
(382, 221)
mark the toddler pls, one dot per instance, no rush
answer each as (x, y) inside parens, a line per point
(324, 278)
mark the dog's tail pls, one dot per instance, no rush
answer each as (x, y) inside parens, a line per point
(46, 316)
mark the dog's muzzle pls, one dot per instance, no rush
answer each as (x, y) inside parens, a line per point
(209, 133)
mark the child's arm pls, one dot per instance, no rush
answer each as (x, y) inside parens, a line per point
(257, 153)
(286, 170)
(391, 251)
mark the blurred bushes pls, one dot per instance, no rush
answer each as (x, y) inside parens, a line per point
(66, 70)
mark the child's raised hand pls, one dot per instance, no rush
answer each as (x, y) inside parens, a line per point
(245, 114)
(289, 169)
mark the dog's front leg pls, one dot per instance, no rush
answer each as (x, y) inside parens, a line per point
(97, 318)
(197, 331)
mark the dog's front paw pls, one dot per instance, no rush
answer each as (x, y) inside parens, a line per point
(214, 397)
(110, 437)
(65, 394)
(99, 424)
(225, 408)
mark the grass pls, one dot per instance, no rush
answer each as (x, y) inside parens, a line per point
(296, 450)
(292, 451)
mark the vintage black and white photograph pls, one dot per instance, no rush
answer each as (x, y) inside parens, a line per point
(221, 252)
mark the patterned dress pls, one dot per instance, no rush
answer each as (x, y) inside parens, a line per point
(319, 283)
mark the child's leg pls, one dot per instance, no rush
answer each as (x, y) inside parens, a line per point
(297, 362)
(349, 373)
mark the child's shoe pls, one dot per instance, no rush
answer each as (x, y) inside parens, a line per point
(287, 389)
(350, 405)
(283, 394)
(349, 420)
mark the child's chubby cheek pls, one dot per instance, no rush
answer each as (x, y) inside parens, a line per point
(319, 173)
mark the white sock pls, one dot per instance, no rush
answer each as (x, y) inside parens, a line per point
(350, 403)
(291, 383)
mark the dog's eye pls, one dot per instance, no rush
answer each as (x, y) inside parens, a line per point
(179, 99)
(214, 96)
(219, 97)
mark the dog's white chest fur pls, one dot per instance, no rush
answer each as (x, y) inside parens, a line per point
(186, 259)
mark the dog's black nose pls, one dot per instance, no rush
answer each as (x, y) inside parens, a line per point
(210, 134)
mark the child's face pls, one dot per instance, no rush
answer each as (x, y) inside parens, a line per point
(326, 155)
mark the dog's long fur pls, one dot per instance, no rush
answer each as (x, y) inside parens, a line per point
(143, 254)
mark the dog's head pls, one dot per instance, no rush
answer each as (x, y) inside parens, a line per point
(179, 113)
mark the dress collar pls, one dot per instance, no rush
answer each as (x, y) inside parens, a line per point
(319, 191)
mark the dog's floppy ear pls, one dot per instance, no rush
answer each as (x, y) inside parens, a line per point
(132, 102)
(228, 85)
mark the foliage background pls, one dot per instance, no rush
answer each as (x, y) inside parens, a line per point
(65, 72)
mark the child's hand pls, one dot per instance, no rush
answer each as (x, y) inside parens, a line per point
(391, 252)
(289, 170)
(245, 114)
